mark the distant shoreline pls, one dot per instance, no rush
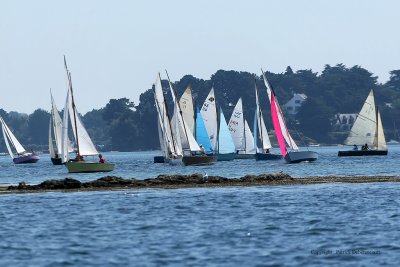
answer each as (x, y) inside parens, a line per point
(109, 183)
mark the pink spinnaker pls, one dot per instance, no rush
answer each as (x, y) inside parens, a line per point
(277, 127)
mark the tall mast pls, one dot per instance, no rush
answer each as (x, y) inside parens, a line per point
(73, 105)
(377, 130)
(259, 118)
(179, 107)
(218, 119)
(244, 130)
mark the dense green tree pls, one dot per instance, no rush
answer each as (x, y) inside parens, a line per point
(97, 127)
(120, 117)
(394, 81)
(38, 127)
(337, 89)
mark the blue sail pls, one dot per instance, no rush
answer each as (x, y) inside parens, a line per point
(225, 142)
(202, 135)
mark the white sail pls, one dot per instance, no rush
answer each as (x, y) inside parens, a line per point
(11, 137)
(364, 127)
(187, 107)
(51, 147)
(82, 138)
(236, 125)
(86, 146)
(266, 143)
(10, 152)
(285, 132)
(380, 135)
(163, 144)
(163, 118)
(193, 145)
(57, 125)
(209, 114)
(248, 140)
(262, 130)
(64, 136)
(178, 134)
(188, 134)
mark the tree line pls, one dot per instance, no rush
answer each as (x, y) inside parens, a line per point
(124, 126)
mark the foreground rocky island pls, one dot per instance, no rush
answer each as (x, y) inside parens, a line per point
(186, 181)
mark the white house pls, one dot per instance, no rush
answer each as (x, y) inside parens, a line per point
(294, 104)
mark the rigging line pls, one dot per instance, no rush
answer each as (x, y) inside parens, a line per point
(300, 136)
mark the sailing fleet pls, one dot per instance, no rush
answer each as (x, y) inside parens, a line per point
(190, 135)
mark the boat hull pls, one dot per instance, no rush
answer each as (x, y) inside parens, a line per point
(82, 166)
(26, 159)
(353, 153)
(267, 156)
(226, 157)
(301, 156)
(159, 159)
(56, 161)
(244, 156)
(198, 160)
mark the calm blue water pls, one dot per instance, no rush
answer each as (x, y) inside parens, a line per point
(255, 226)
(313, 225)
(140, 165)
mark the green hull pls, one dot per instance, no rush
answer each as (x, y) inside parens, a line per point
(83, 166)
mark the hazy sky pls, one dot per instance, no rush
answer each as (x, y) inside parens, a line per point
(115, 48)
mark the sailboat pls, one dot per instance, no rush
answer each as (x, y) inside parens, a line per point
(225, 146)
(263, 153)
(202, 136)
(367, 130)
(55, 135)
(84, 144)
(187, 106)
(209, 114)
(11, 141)
(241, 134)
(220, 137)
(192, 153)
(168, 130)
(282, 132)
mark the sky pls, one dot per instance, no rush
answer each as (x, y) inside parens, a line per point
(115, 49)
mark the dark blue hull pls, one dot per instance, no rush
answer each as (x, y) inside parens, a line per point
(268, 156)
(225, 157)
(355, 153)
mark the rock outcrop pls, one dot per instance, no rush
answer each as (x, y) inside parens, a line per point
(162, 180)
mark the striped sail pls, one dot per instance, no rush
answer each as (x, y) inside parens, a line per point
(285, 132)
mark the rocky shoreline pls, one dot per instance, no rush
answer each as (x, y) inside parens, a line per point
(186, 181)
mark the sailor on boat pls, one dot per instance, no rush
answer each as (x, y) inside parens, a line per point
(365, 147)
(101, 159)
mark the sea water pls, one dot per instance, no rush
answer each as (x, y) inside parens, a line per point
(310, 225)
(140, 165)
